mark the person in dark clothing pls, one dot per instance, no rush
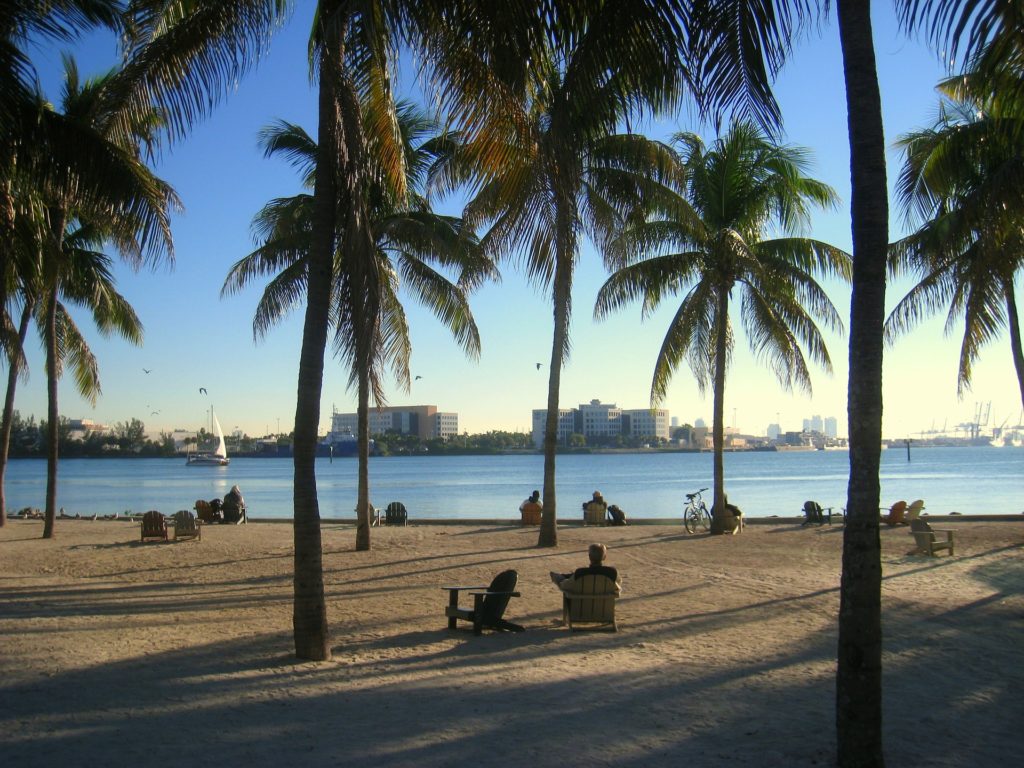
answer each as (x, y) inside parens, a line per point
(234, 506)
(597, 554)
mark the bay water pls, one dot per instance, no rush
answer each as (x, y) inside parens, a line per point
(975, 480)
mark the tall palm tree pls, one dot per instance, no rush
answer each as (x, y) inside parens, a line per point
(701, 234)
(539, 161)
(19, 290)
(954, 25)
(131, 201)
(962, 176)
(411, 241)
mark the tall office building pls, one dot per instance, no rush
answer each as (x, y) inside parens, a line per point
(831, 427)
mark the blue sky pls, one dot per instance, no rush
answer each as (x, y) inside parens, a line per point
(196, 339)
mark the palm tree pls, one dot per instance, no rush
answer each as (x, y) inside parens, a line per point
(702, 235)
(132, 203)
(410, 241)
(541, 159)
(962, 176)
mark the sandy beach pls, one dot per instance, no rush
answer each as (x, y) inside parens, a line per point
(179, 653)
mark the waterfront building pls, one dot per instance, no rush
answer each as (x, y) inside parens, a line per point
(831, 427)
(424, 421)
(566, 425)
(603, 420)
(646, 422)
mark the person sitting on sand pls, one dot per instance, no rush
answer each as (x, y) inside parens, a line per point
(597, 553)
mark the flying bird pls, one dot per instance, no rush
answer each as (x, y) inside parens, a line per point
(418, 377)
(155, 413)
(147, 370)
(203, 390)
(539, 365)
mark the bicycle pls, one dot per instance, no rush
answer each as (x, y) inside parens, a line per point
(695, 514)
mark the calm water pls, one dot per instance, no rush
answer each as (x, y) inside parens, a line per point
(645, 485)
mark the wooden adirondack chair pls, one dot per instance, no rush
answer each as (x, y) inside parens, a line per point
(488, 606)
(896, 513)
(914, 511)
(204, 511)
(595, 513)
(531, 513)
(396, 514)
(928, 542)
(186, 526)
(154, 526)
(592, 601)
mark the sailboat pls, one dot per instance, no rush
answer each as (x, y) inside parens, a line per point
(216, 458)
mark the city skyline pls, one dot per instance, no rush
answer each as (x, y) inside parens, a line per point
(199, 348)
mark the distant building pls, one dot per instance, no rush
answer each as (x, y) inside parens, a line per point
(774, 430)
(814, 424)
(424, 421)
(831, 427)
(566, 425)
(646, 422)
(602, 420)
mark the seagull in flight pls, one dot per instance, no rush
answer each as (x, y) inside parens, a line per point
(155, 413)
(539, 365)
(418, 377)
(203, 390)
(147, 370)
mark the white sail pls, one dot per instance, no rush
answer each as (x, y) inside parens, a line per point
(222, 448)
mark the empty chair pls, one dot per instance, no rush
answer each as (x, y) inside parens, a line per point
(914, 511)
(813, 513)
(896, 513)
(928, 539)
(154, 526)
(186, 526)
(204, 511)
(592, 601)
(488, 606)
(396, 514)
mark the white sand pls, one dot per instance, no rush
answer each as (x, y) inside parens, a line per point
(118, 653)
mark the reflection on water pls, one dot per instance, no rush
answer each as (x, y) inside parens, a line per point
(644, 485)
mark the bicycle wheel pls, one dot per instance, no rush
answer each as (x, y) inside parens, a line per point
(691, 519)
(703, 517)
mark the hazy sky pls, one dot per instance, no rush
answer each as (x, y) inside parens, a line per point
(196, 339)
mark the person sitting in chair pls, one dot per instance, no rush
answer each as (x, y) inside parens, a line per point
(234, 506)
(533, 500)
(597, 553)
(597, 499)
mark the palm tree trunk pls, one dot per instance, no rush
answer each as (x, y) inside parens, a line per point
(52, 411)
(718, 419)
(548, 536)
(859, 670)
(54, 270)
(8, 415)
(363, 427)
(1013, 321)
(309, 613)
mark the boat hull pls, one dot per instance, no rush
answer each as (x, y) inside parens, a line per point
(207, 461)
